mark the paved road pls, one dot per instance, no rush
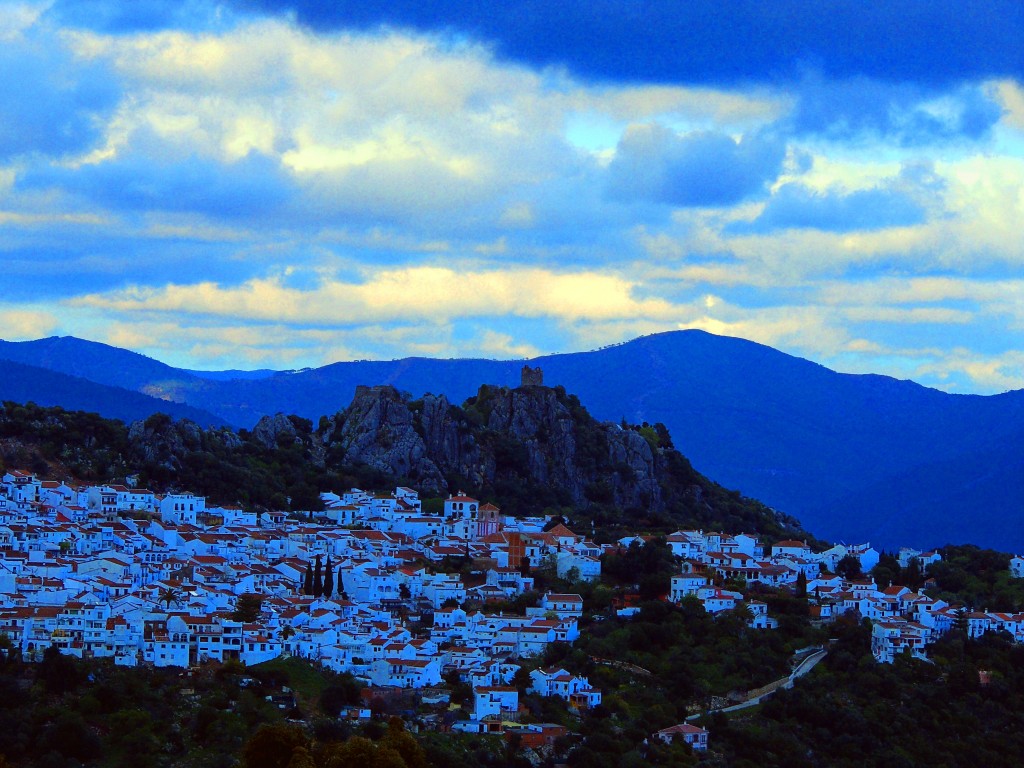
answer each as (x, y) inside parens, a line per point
(806, 666)
(801, 669)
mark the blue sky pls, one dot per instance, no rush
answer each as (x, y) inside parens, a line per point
(284, 184)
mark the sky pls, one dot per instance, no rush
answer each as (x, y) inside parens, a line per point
(289, 183)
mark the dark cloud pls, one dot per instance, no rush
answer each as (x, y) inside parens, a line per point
(51, 104)
(794, 206)
(655, 164)
(73, 261)
(252, 186)
(907, 113)
(701, 41)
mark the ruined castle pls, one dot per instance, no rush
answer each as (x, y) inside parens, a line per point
(532, 377)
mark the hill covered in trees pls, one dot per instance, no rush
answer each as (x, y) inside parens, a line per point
(531, 450)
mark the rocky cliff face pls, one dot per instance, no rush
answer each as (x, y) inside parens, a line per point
(272, 431)
(638, 466)
(449, 438)
(531, 437)
(378, 429)
(163, 442)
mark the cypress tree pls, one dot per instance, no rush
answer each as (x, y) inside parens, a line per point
(801, 584)
(307, 583)
(328, 579)
(341, 585)
(318, 578)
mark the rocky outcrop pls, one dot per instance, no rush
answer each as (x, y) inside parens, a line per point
(535, 417)
(276, 430)
(450, 440)
(528, 440)
(637, 468)
(163, 442)
(378, 430)
(530, 437)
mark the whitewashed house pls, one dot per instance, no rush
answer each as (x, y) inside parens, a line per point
(181, 508)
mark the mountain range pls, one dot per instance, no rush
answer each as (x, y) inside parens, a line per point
(853, 457)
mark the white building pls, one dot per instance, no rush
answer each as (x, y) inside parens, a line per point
(1017, 567)
(495, 701)
(181, 508)
(696, 737)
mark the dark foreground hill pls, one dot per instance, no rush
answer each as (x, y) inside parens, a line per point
(855, 457)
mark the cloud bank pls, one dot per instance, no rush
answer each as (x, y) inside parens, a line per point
(263, 183)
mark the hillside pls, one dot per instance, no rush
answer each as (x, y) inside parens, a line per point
(531, 450)
(26, 383)
(102, 364)
(856, 457)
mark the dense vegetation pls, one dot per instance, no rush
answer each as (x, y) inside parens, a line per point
(45, 440)
(853, 712)
(978, 578)
(63, 711)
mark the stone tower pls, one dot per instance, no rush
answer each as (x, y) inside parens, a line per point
(532, 377)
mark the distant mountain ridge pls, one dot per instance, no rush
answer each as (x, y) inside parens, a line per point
(853, 457)
(25, 383)
(93, 361)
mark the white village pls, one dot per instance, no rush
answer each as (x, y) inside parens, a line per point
(365, 586)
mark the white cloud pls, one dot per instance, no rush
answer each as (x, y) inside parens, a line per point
(437, 293)
(1010, 94)
(992, 373)
(22, 324)
(905, 315)
(505, 345)
(16, 18)
(891, 290)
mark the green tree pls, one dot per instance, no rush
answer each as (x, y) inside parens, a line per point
(71, 735)
(398, 739)
(287, 632)
(849, 568)
(248, 607)
(887, 571)
(343, 691)
(57, 672)
(328, 589)
(132, 735)
(318, 578)
(169, 595)
(341, 583)
(8, 651)
(307, 583)
(357, 751)
(801, 585)
(960, 623)
(911, 575)
(272, 746)
(301, 758)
